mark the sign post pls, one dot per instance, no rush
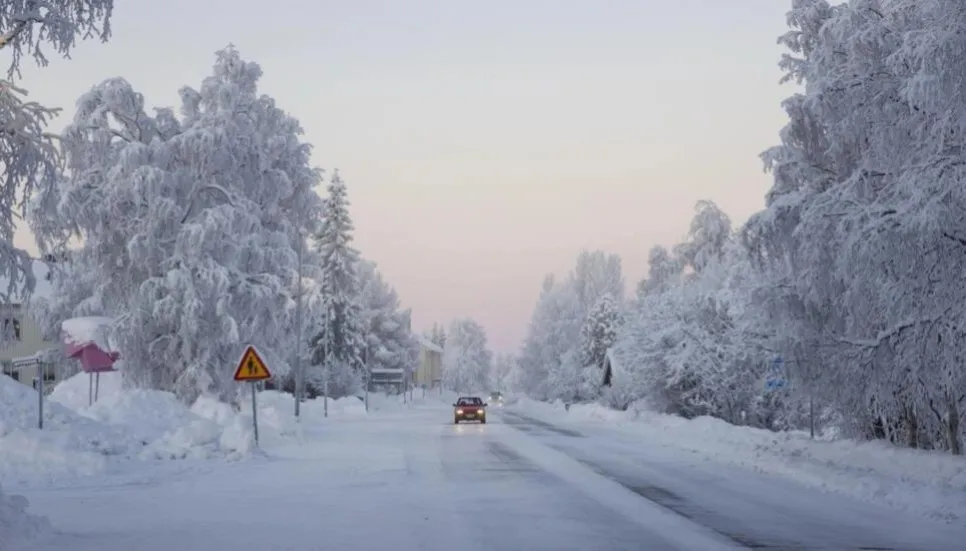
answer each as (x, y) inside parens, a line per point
(252, 369)
(38, 383)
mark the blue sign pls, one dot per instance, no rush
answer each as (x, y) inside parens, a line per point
(775, 378)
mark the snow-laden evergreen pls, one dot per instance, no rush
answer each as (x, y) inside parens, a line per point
(340, 334)
(187, 226)
(597, 335)
(467, 359)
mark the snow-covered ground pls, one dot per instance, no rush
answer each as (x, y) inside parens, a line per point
(159, 476)
(127, 433)
(928, 484)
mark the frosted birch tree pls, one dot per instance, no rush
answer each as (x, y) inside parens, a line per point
(187, 225)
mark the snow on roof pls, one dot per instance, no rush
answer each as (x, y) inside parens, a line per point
(427, 344)
(42, 287)
(87, 329)
(386, 371)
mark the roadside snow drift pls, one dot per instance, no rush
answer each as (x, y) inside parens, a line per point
(79, 439)
(930, 484)
(16, 524)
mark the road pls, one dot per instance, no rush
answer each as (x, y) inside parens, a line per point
(412, 481)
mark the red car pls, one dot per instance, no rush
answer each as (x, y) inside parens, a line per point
(469, 408)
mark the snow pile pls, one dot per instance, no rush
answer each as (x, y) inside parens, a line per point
(16, 525)
(69, 444)
(74, 393)
(80, 439)
(92, 329)
(930, 484)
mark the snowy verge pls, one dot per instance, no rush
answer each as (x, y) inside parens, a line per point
(929, 484)
(16, 524)
(80, 440)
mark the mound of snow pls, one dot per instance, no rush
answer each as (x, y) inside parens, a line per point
(147, 414)
(74, 392)
(69, 444)
(16, 525)
(930, 484)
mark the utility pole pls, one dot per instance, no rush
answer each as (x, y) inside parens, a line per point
(328, 360)
(365, 361)
(298, 335)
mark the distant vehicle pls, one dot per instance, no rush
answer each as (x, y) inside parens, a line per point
(496, 398)
(469, 408)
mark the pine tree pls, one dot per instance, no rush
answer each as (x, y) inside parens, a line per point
(340, 339)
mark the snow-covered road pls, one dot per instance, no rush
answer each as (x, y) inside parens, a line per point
(409, 480)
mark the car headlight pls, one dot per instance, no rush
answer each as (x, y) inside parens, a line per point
(459, 412)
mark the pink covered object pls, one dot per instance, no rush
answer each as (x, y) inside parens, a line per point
(84, 339)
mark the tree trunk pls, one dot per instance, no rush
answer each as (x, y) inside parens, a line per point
(912, 427)
(952, 426)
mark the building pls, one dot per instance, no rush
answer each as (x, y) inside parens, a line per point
(429, 371)
(23, 340)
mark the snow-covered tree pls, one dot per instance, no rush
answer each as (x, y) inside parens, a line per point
(437, 335)
(597, 274)
(550, 361)
(553, 331)
(664, 271)
(29, 159)
(467, 360)
(597, 334)
(188, 226)
(340, 338)
(504, 371)
(389, 342)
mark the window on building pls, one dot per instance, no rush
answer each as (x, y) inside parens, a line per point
(11, 329)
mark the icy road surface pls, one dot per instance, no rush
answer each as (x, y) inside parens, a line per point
(412, 481)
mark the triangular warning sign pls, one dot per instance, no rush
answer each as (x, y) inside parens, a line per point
(251, 367)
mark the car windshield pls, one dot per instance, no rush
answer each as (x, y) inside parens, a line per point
(469, 401)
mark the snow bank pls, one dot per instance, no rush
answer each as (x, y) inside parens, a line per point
(930, 484)
(69, 445)
(149, 425)
(73, 393)
(16, 525)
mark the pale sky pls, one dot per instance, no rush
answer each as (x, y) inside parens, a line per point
(485, 144)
